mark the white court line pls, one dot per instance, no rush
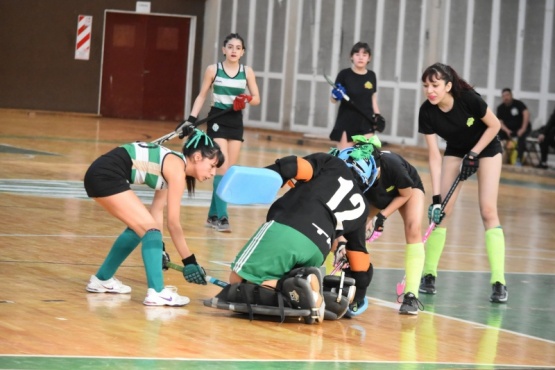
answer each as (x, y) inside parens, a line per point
(396, 306)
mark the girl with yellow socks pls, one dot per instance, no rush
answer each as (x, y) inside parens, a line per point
(455, 112)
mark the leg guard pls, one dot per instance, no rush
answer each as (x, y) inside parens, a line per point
(339, 292)
(363, 280)
(303, 288)
(299, 293)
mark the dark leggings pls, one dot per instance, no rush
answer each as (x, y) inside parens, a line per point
(548, 140)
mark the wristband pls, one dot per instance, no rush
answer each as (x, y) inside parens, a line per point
(473, 154)
(189, 260)
(436, 199)
(192, 119)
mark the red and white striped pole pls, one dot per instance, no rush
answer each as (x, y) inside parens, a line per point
(83, 41)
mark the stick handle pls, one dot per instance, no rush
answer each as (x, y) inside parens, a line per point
(175, 133)
(209, 279)
(339, 266)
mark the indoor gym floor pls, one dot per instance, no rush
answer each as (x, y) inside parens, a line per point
(52, 238)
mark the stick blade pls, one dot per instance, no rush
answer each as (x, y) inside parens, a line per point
(249, 185)
(400, 288)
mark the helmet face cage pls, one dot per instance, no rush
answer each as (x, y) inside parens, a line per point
(365, 169)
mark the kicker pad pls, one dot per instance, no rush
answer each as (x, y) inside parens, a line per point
(299, 293)
(339, 292)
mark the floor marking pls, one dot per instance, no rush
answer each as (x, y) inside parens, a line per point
(383, 303)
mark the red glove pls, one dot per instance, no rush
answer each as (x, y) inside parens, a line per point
(241, 101)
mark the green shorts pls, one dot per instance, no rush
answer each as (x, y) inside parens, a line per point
(273, 251)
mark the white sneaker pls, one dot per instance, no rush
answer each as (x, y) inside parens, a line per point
(167, 297)
(111, 285)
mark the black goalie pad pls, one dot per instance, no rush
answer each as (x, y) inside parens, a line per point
(304, 290)
(255, 299)
(339, 292)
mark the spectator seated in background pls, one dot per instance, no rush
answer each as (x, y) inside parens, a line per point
(515, 126)
(546, 139)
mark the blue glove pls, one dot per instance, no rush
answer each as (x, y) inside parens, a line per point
(192, 272)
(338, 92)
(435, 214)
(469, 165)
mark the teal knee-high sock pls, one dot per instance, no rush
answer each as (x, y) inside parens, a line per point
(152, 258)
(213, 211)
(121, 249)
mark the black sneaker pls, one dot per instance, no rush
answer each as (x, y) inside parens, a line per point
(499, 293)
(211, 222)
(410, 305)
(428, 284)
(542, 165)
(223, 225)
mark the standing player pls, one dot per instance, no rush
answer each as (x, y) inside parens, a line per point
(458, 114)
(229, 80)
(168, 173)
(361, 85)
(326, 202)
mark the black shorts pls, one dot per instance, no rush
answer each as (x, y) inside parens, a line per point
(229, 126)
(357, 127)
(109, 174)
(491, 150)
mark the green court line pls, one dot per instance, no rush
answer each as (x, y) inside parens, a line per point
(76, 363)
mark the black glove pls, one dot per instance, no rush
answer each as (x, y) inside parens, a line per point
(165, 257)
(469, 165)
(186, 128)
(192, 272)
(435, 214)
(377, 226)
(379, 122)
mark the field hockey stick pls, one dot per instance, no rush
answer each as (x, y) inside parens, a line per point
(402, 284)
(343, 263)
(348, 100)
(175, 133)
(209, 279)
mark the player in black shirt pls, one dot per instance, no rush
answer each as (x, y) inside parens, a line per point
(326, 202)
(399, 188)
(361, 114)
(458, 114)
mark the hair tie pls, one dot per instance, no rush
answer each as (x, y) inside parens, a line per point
(194, 140)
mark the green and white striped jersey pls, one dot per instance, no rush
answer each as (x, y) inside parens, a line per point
(147, 161)
(226, 88)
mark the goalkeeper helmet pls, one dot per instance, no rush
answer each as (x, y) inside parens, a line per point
(360, 160)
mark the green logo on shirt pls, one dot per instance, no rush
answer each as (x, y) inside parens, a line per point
(391, 188)
(470, 121)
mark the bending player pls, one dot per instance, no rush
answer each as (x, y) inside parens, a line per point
(398, 187)
(168, 173)
(280, 263)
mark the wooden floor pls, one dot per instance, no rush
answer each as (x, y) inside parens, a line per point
(52, 238)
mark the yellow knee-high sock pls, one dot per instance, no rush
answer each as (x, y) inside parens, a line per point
(434, 248)
(495, 245)
(414, 264)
